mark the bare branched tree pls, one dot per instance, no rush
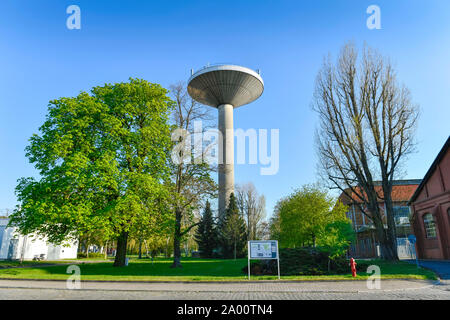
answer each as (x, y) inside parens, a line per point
(367, 124)
(253, 207)
(192, 180)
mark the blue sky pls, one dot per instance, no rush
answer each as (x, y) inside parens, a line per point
(161, 41)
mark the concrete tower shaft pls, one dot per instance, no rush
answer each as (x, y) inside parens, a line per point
(226, 155)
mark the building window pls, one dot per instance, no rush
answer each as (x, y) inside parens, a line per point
(401, 215)
(401, 212)
(430, 226)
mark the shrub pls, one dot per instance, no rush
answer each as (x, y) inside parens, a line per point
(300, 261)
(361, 266)
(82, 255)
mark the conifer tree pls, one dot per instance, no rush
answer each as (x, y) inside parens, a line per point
(206, 235)
(233, 231)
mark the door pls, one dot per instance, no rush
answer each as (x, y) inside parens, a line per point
(12, 249)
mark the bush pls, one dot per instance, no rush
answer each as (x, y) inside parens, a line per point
(300, 261)
(362, 266)
(82, 255)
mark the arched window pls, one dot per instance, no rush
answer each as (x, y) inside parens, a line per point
(430, 226)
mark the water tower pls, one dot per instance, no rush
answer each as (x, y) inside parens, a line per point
(225, 87)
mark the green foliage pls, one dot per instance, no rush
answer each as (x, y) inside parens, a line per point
(302, 218)
(206, 235)
(336, 238)
(232, 231)
(275, 223)
(82, 255)
(103, 160)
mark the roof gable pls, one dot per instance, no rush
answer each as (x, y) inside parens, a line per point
(420, 190)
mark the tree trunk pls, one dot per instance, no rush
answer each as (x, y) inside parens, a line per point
(146, 248)
(235, 249)
(391, 231)
(387, 249)
(140, 248)
(167, 254)
(176, 240)
(87, 249)
(106, 250)
(121, 252)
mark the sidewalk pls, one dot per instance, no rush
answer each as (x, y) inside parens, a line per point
(252, 286)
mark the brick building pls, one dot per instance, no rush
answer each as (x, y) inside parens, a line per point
(430, 207)
(366, 244)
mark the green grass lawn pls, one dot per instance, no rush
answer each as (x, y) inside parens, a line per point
(194, 269)
(15, 263)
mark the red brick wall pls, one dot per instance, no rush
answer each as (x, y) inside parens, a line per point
(435, 199)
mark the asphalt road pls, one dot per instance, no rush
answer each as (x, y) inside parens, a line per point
(336, 290)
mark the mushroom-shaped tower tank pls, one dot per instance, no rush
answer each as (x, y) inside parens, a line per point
(225, 87)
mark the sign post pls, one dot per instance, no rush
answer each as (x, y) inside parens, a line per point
(263, 250)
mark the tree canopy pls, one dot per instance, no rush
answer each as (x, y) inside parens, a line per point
(103, 160)
(304, 216)
(191, 181)
(366, 131)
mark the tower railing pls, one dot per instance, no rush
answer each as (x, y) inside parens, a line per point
(208, 65)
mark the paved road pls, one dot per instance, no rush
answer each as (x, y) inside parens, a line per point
(390, 289)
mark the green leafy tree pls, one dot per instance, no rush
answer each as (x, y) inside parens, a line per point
(304, 215)
(206, 235)
(233, 231)
(153, 227)
(336, 237)
(103, 160)
(274, 222)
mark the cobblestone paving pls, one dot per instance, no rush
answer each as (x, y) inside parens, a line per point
(244, 286)
(435, 292)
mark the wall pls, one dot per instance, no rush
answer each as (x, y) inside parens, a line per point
(434, 198)
(31, 246)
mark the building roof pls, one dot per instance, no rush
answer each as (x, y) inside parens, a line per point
(430, 170)
(402, 190)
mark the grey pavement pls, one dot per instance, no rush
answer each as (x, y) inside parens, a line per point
(317, 290)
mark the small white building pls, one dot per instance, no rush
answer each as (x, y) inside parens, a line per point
(14, 246)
